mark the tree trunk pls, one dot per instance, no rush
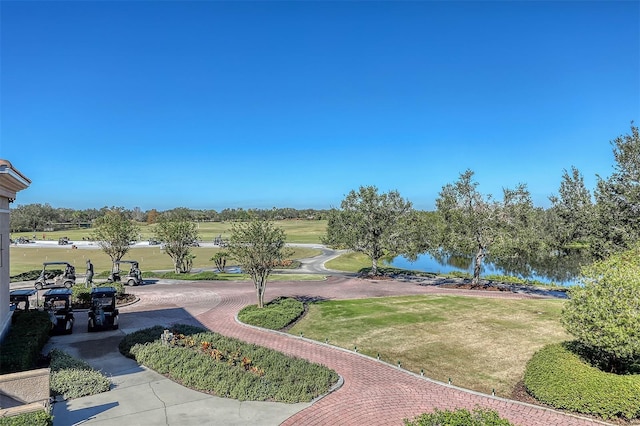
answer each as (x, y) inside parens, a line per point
(260, 286)
(260, 295)
(374, 267)
(477, 267)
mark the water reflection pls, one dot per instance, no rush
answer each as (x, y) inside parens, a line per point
(561, 268)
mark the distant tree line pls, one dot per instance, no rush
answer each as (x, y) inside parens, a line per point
(44, 217)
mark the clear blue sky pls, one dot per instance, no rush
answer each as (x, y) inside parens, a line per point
(229, 104)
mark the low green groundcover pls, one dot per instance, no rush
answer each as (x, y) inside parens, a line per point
(275, 315)
(74, 378)
(558, 377)
(37, 418)
(227, 367)
(460, 417)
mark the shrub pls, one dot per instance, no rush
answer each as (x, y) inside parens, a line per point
(460, 417)
(557, 376)
(72, 383)
(37, 418)
(228, 367)
(275, 315)
(603, 313)
(74, 378)
(61, 360)
(81, 294)
(151, 334)
(27, 336)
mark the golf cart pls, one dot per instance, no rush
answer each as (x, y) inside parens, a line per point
(19, 299)
(133, 277)
(57, 302)
(103, 313)
(49, 278)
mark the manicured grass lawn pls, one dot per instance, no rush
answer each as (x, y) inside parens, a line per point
(151, 258)
(297, 231)
(350, 262)
(480, 343)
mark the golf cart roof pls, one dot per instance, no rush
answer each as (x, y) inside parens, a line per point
(23, 292)
(56, 263)
(58, 292)
(126, 261)
(106, 291)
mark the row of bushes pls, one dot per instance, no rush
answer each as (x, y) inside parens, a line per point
(273, 376)
(557, 376)
(275, 315)
(74, 378)
(82, 294)
(21, 348)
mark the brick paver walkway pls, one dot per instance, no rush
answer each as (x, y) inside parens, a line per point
(373, 393)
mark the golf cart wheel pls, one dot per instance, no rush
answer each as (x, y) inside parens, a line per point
(68, 284)
(38, 286)
(131, 283)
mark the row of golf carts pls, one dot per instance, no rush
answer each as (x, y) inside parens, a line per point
(50, 276)
(102, 315)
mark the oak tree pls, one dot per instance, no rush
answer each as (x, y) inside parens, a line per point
(477, 225)
(377, 225)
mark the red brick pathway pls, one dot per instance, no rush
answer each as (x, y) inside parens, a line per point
(373, 393)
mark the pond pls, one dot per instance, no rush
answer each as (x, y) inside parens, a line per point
(561, 270)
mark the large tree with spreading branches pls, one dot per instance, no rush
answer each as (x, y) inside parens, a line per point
(375, 224)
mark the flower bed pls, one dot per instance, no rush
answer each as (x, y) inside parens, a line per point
(226, 367)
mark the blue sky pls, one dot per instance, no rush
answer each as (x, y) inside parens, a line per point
(238, 104)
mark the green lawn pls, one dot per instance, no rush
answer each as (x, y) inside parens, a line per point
(350, 262)
(297, 231)
(480, 343)
(151, 258)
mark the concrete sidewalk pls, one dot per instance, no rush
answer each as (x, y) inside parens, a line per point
(140, 396)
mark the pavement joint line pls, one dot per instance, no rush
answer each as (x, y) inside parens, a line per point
(164, 404)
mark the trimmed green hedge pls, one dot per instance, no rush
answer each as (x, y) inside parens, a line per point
(37, 418)
(74, 378)
(27, 336)
(558, 377)
(275, 315)
(460, 417)
(227, 367)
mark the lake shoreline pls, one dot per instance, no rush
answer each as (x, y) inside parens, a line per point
(485, 285)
